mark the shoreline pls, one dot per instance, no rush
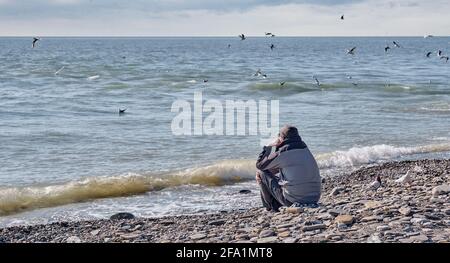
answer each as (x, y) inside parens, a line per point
(418, 211)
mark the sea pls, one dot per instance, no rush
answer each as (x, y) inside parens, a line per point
(67, 154)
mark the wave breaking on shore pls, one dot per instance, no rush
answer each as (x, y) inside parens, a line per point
(17, 199)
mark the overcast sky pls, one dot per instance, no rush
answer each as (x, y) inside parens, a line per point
(224, 17)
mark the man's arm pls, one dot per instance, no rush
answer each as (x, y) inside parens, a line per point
(268, 161)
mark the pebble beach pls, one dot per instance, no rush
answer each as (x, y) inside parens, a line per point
(404, 209)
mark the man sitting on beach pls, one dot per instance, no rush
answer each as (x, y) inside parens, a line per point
(290, 174)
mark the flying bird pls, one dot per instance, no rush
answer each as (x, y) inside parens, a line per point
(317, 81)
(59, 70)
(282, 83)
(268, 34)
(386, 49)
(272, 35)
(35, 40)
(258, 72)
(242, 36)
(351, 51)
(272, 46)
(445, 57)
(396, 44)
(205, 80)
(439, 53)
(122, 111)
(429, 54)
(342, 17)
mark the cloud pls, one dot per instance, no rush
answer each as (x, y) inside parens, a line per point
(202, 17)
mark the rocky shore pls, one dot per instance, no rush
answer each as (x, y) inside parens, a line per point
(409, 209)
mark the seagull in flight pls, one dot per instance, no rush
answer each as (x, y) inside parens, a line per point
(439, 53)
(386, 49)
(282, 83)
(258, 73)
(35, 40)
(59, 70)
(242, 36)
(317, 81)
(429, 54)
(396, 44)
(268, 34)
(272, 46)
(122, 111)
(445, 57)
(351, 51)
(342, 17)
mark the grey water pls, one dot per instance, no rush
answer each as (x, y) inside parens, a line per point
(66, 153)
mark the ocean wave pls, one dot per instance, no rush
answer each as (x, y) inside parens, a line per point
(365, 155)
(17, 199)
(13, 200)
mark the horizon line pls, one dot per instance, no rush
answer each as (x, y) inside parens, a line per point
(204, 36)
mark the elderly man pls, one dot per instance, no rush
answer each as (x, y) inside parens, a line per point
(289, 174)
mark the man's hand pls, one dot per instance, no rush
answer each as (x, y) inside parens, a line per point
(276, 142)
(258, 177)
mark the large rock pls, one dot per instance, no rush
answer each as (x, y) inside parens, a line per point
(122, 216)
(441, 190)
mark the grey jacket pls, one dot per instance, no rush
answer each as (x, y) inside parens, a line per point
(298, 171)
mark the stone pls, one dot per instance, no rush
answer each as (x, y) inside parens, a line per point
(267, 240)
(369, 219)
(406, 211)
(73, 239)
(266, 233)
(432, 216)
(131, 236)
(335, 212)
(284, 234)
(122, 216)
(288, 225)
(345, 219)
(313, 227)
(197, 236)
(418, 220)
(336, 191)
(216, 223)
(375, 238)
(419, 239)
(167, 222)
(244, 191)
(412, 234)
(440, 190)
(290, 240)
(372, 204)
(95, 232)
(383, 228)
(294, 210)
